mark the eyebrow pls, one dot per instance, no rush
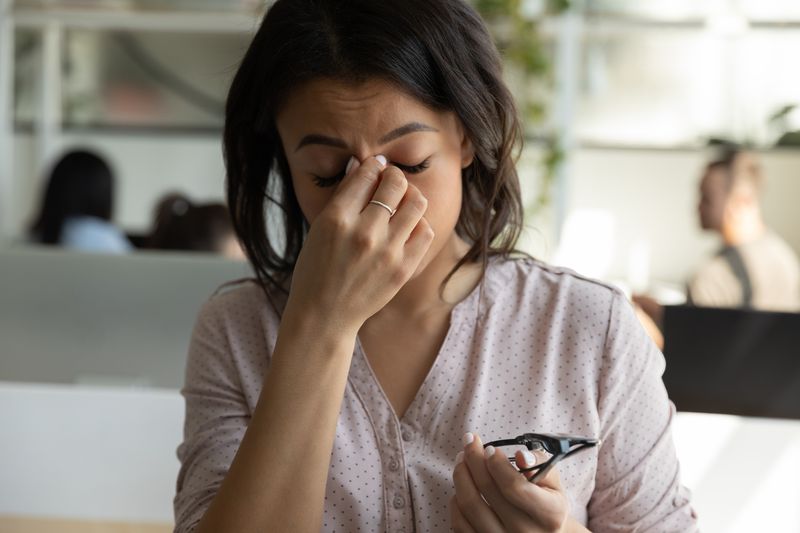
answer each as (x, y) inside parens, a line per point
(411, 127)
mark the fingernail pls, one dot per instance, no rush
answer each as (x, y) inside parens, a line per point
(459, 457)
(382, 160)
(351, 164)
(468, 438)
(529, 458)
(488, 451)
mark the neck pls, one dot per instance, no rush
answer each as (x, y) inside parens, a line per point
(421, 295)
(749, 227)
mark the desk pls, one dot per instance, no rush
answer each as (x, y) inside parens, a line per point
(74, 454)
(18, 524)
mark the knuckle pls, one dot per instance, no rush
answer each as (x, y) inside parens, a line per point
(336, 219)
(425, 229)
(366, 241)
(419, 202)
(400, 274)
(388, 258)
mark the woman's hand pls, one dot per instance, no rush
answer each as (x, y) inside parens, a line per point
(494, 497)
(357, 256)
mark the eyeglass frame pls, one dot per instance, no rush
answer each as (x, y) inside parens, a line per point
(558, 445)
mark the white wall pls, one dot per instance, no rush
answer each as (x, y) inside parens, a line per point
(101, 453)
(652, 196)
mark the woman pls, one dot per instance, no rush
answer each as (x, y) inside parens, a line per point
(181, 225)
(77, 206)
(389, 321)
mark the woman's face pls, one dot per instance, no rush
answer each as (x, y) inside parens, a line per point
(325, 122)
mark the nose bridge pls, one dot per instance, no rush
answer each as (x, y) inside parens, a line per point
(363, 150)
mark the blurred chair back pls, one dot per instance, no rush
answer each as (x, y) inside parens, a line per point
(102, 319)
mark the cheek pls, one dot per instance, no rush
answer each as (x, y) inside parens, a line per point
(312, 199)
(442, 188)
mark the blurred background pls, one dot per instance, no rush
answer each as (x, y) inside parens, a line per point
(624, 101)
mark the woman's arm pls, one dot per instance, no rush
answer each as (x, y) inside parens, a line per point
(278, 476)
(354, 260)
(637, 483)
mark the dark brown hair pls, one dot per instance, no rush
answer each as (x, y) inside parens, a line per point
(81, 183)
(183, 225)
(438, 51)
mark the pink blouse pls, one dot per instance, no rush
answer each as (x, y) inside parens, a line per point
(532, 349)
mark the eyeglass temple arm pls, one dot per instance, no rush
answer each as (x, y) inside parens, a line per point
(503, 442)
(577, 445)
(582, 444)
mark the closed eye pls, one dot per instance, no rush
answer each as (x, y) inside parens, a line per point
(330, 181)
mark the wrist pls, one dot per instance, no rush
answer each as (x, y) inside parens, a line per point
(306, 326)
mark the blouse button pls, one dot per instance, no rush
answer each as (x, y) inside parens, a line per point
(394, 464)
(399, 502)
(407, 435)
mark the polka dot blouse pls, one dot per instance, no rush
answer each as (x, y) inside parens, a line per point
(532, 348)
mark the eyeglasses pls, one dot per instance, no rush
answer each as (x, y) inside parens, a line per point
(548, 449)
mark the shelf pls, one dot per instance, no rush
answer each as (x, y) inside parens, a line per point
(198, 21)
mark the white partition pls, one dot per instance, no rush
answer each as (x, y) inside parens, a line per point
(89, 453)
(102, 319)
(744, 473)
(100, 453)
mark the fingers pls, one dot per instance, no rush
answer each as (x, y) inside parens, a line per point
(419, 242)
(358, 186)
(391, 189)
(471, 505)
(475, 458)
(458, 521)
(512, 486)
(409, 213)
(542, 501)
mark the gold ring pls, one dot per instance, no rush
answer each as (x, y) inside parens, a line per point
(383, 205)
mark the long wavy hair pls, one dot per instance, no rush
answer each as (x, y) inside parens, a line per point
(438, 51)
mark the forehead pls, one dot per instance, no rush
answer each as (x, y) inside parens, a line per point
(372, 107)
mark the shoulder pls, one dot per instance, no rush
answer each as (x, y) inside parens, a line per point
(715, 285)
(555, 303)
(93, 234)
(716, 270)
(242, 307)
(780, 247)
(535, 282)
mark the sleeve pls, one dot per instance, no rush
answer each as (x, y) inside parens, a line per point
(637, 483)
(216, 418)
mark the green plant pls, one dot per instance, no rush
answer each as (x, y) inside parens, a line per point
(530, 76)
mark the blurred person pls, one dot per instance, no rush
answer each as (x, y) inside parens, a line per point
(755, 268)
(77, 206)
(182, 225)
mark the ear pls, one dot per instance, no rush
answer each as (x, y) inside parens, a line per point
(467, 149)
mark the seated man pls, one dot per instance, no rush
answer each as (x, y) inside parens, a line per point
(755, 268)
